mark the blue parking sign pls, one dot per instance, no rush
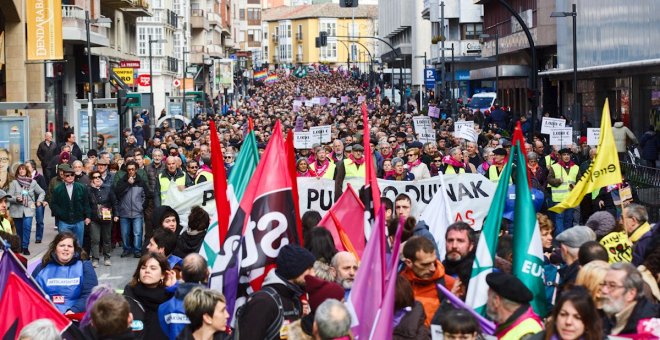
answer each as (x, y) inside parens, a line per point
(429, 78)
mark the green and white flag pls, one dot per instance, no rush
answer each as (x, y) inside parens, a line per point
(300, 72)
(527, 246)
(484, 261)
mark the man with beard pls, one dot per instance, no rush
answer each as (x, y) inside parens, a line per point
(459, 242)
(268, 312)
(343, 266)
(508, 305)
(623, 300)
(424, 271)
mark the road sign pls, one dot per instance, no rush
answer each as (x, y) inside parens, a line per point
(144, 80)
(126, 75)
(176, 83)
(429, 78)
(130, 63)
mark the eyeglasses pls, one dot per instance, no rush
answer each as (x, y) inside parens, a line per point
(610, 285)
(96, 177)
(193, 167)
(4, 159)
(437, 160)
(69, 175)
(228, 157)
(411, 154)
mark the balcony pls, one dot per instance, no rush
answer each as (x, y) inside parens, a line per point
(299, 58)
(74, 30)
(198, 19)
(214, 18)
(215, 51)
(253, 44)
(198, 53)
(299, 36)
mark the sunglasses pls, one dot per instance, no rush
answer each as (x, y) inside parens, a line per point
(69, 175)
(437, 160)
(228, 157)
(96, 177)
(193, 167)
(392, 141)
(411, 154)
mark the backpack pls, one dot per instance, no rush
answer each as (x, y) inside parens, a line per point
(273, 331)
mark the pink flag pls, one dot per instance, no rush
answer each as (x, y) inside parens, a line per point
(349, 210)
(367, 294)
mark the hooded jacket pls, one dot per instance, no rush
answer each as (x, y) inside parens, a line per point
(411, 325)
(132, 197)
(158, 216)
(172, 314)
(261, 310)
(621, 133)
(425, 290)
(189, 242)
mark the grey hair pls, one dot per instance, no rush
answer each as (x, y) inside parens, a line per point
(335, 259)
(332, 319)
(487, 151)
(156, 151)
(76, 162)
(633, 278)
(42, 329)
(397, 160)
(532, 155)
(454, 150)
(638, 212)
(383, 143)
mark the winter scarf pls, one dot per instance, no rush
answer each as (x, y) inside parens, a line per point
(25, 182)
(414, 164)
(357, 162)
(566, 165)
(308, 173)
(322, 168)
(450, 161)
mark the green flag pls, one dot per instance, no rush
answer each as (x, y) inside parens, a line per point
(527, 247)
(484, 261)
(300, 72)
(246, 163)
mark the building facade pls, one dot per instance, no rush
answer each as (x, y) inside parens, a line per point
(292, 32)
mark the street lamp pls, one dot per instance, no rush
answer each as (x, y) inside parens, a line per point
(152, 116)
(421, 87)
(183, 75)
(574, 15)
(453, 78)
(497, 56)
(90, 105)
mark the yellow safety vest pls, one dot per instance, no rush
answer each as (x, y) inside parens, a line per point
(165, 184)
(208, 175)
(549, 162)
(561, 192)
(5, 226)
(450, 170)
(329, 173)
(352, 170)
(528, 326)
(493, 175)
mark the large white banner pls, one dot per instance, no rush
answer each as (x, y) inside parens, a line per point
(469, 195)
(182, 201)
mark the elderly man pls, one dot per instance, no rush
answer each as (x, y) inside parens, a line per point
(337, 155)
(623, 301)
(636, 224)
(570, 242)
(69, 204)
(562, 177)
(322, 166)
(332, 321)
(170, 175)
(508, 305)
(343, 267)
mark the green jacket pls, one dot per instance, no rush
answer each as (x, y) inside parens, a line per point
(70, 210)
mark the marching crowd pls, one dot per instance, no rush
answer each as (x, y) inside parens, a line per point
(104, 199)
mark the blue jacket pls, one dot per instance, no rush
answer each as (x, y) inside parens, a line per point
(422, 229)
(75, 296)
(172, 314)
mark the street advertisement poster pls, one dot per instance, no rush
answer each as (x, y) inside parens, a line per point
(302, 140)
(548, 124)
(108, 131)
(14, 144)
(321, 134)
(561, 136)
(593, 135)
(223, 74)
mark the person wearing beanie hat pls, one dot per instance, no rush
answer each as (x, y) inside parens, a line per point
(602, 223)
(270, 311)
(508, 305)
(318, 291)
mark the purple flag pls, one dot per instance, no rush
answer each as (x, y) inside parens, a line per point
(344, 99)
(9, 264)
(486, 325)
(367, 293)
(383, 326)
(300, 122)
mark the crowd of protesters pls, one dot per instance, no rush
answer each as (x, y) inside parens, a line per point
(105, 199)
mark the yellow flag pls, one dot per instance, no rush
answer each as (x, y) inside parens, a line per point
(604, 169)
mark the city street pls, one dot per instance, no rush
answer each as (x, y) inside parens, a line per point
(117, 275)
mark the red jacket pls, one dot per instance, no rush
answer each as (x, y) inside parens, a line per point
(425, 290)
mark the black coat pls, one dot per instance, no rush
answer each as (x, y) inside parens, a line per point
(412, 325)
(144, 304)
(45, 153)
(644, 309)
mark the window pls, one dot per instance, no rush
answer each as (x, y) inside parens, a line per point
(329, 52)
(257, 35)
(241, 14)
(471, 31)
(250, 35)
(144, 33)
(330, 27)
(288, 31)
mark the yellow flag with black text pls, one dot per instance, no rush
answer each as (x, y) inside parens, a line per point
(604, 169)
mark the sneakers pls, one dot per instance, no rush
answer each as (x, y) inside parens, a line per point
(26, 252)
(107, 262)
(137, 255)
(126, 253)
(95, 263)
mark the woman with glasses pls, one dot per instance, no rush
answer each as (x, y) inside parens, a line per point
(400, 171)
(25, 196)
(415, 166)
(103, 205)
(436, 164)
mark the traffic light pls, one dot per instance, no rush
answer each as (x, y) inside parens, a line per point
(348, 3)
(324, 38)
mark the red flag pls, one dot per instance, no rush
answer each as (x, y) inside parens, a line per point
(371, 179)
(518, 137)
(20, 305)
(266, 216)
(250, 124)
(291, 155)
(349, 211)
(222, 206)
(345, 240)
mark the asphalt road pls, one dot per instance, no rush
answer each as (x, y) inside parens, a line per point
(117, 275)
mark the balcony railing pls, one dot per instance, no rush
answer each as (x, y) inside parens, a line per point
(72, 11)
(74, 17)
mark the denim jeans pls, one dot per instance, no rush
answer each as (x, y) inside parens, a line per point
(131, 226)
(77, 229)
(27, 230)
(39, 217)
(563, 220)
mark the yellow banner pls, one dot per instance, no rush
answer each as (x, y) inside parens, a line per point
(604, 169)
(126, 74)
(44, 29)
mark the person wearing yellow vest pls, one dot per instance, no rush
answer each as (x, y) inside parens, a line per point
(322, 166)
(508, 305)
(171, 174)
(640, 233)
(561, 179)
(354, 164)
(453, 163)
(205, 172)
(499, 161)
(5, 223)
